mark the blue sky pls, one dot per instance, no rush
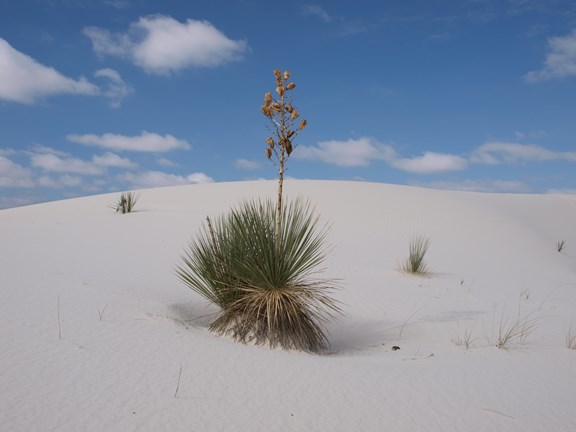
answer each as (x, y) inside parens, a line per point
(98, 96)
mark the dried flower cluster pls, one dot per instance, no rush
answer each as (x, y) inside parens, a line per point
(283, 117)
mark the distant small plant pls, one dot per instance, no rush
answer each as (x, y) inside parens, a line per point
(464, 337)
(560, 246)
(512, 331)
(571, 335)
(414, 264)
(126, 202)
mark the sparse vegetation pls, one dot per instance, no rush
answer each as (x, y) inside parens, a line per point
(560, 246)
(464, 337)
(126, 202)
(414, 264)
(508, 331)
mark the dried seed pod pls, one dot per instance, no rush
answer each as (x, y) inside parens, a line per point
(267, 99)
(270, 142)
(286, 75)
(289, 108)
(268, 153)
(303, 124)
(277, 106)
(288, 146)
(280, 90)
(265, 110)
(290, 133)
(294, 115)
(290, 86)
(277, 74)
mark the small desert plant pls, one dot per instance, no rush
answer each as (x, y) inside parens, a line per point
(414, 264)
(126, 202)
(508, 332)
(571, 335)
(464, 337)
(560, 246)
(265, 290)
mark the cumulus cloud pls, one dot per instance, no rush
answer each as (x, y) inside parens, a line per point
(430, 163)
(65, 180)
(24, 80)
(496, 152)
(246, 164)
(162, 45)
(114, 161)
(52, 163)
(150, 179)
(560, 61)
(145, 142)
(13, 175)
(350, 153)
(116, 89)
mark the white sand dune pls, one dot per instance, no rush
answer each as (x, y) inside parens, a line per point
(95, 327)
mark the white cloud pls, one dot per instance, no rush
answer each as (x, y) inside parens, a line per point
(199, 178)
(166, 162)
(113, 160)
(316, 10)
(162, 45)
(53, 163)
(145, 142)
(14, 175)
(65, 180)
(350, 153)
(246, 164)
(496, 152)
(116, 89)
(151, 179)
(560, 61)
(24, 80)
(430, 163)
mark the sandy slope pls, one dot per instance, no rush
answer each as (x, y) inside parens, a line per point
(95, 326)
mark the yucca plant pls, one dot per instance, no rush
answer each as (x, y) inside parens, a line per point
(126, 202)
(414, 264)
(258, 262)
(267, 292)
(282, 116)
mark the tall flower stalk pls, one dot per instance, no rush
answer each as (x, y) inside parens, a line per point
(283, 118)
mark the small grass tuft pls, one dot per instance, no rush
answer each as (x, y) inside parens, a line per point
(414, 264)
(126, 202)
(560, 246)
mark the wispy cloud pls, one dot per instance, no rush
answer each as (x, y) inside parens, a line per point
(116, 89)
(13, 175)
(58, 182)
(317, 11)
(52, 163)
(145, 142)
(150, 179)
(497, 152)
(24, 80)
(431, 163)
(560, 61)
(162, 45)
(349, 153)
